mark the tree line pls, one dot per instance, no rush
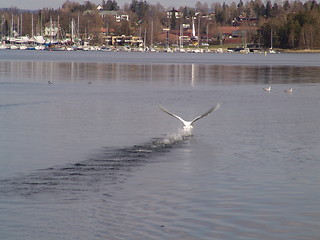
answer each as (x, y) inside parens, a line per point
(289, 24)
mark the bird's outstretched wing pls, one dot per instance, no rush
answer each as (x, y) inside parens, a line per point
(206, 113)
(173, 115)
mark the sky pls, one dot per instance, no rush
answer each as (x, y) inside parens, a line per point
(39, 4)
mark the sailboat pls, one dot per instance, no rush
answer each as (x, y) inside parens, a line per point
(55, 44)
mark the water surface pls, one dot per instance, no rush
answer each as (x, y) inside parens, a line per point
(101, 161)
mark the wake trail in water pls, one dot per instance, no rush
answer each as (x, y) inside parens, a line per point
(19, 104)
(110, 167)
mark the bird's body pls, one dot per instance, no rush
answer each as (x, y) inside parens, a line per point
(268, 89)
(188, 125)
(289, 90)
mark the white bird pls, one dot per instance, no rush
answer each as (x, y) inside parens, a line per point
(289, 90)
(268, 89)
(188, 125)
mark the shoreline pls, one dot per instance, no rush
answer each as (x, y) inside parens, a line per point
(298, 50)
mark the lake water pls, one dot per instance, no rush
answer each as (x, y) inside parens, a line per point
(102, 161)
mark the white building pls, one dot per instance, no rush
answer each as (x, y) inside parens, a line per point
(175, 13)
(118, 15)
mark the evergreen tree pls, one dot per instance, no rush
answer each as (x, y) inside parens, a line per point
(268, 9)
(111, 5)
(173, 20)
(4, 27)
(140, 8)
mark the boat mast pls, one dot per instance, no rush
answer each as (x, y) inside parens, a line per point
(18, 26)
(32, 34)
(78, 30)
(271, 40)
(41, 27)
(11, 34)
(21, 26)
(72, 27)
(193, 28)
(198, 29)
(58, 35)
(144, 39)
(50, 29)
(181, 35)
(207, 33)
(151, 44)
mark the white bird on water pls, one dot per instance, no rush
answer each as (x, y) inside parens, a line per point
(188, 125)
(289, 90)
(268, 89)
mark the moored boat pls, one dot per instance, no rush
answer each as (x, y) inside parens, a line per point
(55, 47)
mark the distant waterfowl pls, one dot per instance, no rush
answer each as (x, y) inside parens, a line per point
(49, 82)
(289, 90)
(268, 89)
(89, 82)
(188, 125)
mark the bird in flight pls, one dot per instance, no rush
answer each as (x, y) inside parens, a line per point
(188, 125)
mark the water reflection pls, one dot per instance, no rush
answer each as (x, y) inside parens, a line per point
(177, 74)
